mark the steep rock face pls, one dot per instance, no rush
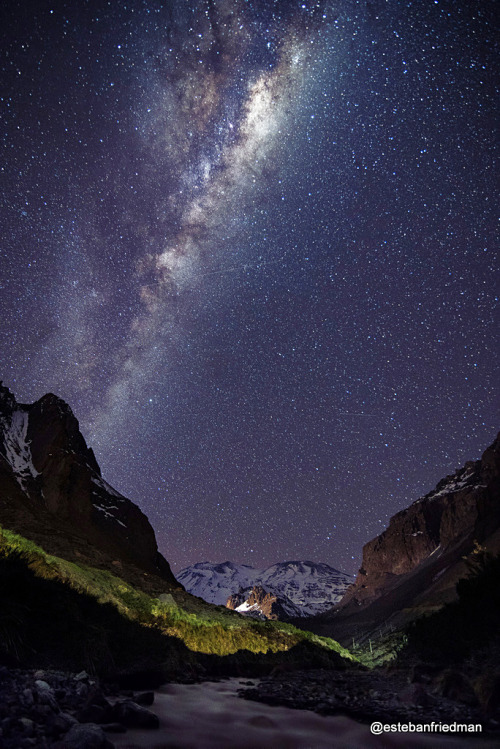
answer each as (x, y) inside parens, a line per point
(302, 588)
(256, 602)
(51, 490)
(463, 508)
(53, 431)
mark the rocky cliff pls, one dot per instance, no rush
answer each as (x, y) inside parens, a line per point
(52, 491)
(411, 569)
(258, 603)
(463, 508)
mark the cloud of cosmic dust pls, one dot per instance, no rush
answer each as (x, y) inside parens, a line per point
(219, 123)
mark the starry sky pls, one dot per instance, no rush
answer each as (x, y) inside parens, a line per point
(252, 244)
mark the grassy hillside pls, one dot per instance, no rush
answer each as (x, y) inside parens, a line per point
(85, 616)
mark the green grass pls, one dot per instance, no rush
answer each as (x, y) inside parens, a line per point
(203, 628)
(380, 650)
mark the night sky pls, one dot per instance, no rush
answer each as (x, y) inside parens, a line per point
(251, 243)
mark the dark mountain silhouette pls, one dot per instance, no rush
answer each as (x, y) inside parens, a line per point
(52, 492)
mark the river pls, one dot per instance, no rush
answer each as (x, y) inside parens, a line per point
(210, 715)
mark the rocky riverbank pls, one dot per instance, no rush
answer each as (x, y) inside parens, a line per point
(423, 694)
(47, 709)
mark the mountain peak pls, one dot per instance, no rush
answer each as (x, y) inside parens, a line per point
(257, 603)
(52, 491)
(7, 399)
(300, 588)
(419, 557)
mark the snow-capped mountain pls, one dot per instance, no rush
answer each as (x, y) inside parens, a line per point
(216, 582)
(311, 587)
(302, 588)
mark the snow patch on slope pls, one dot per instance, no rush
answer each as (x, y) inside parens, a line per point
(250, 610)
(16, 447)
(107, 513)
(98, 481)
(465, 478)
(107, 500)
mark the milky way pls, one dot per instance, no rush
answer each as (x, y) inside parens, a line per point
(252, 245)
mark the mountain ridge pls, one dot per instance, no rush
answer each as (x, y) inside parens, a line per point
(302, 588)
(413, 566)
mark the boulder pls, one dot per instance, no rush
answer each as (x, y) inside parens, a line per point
(132, 715)
(487, 690)
(456, 686)
(145, 698)
(84, 736)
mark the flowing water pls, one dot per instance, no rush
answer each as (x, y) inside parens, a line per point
(211, 716)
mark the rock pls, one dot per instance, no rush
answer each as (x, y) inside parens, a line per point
(132, 715)
(46, 698)
(168, 599)
(96, 697)
(60, 723)
(258, 603)
(82, 676)
(39, 725)
(423, 673)
(415, 694)
(6, 724)
(455, 686)
(28, 742)
(96, 709)
(41, 712)
(145, 698)
(325, 708)
(42, 686)
(262, 721)
(82, 689)
(84, 736)
(28, 726)
(487, 690)
(28, 697)
(93, 714)
(45, 695)
(113, 728)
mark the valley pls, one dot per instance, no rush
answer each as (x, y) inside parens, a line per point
(91, 615)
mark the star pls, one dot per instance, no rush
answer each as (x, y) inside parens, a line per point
(252, 246)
